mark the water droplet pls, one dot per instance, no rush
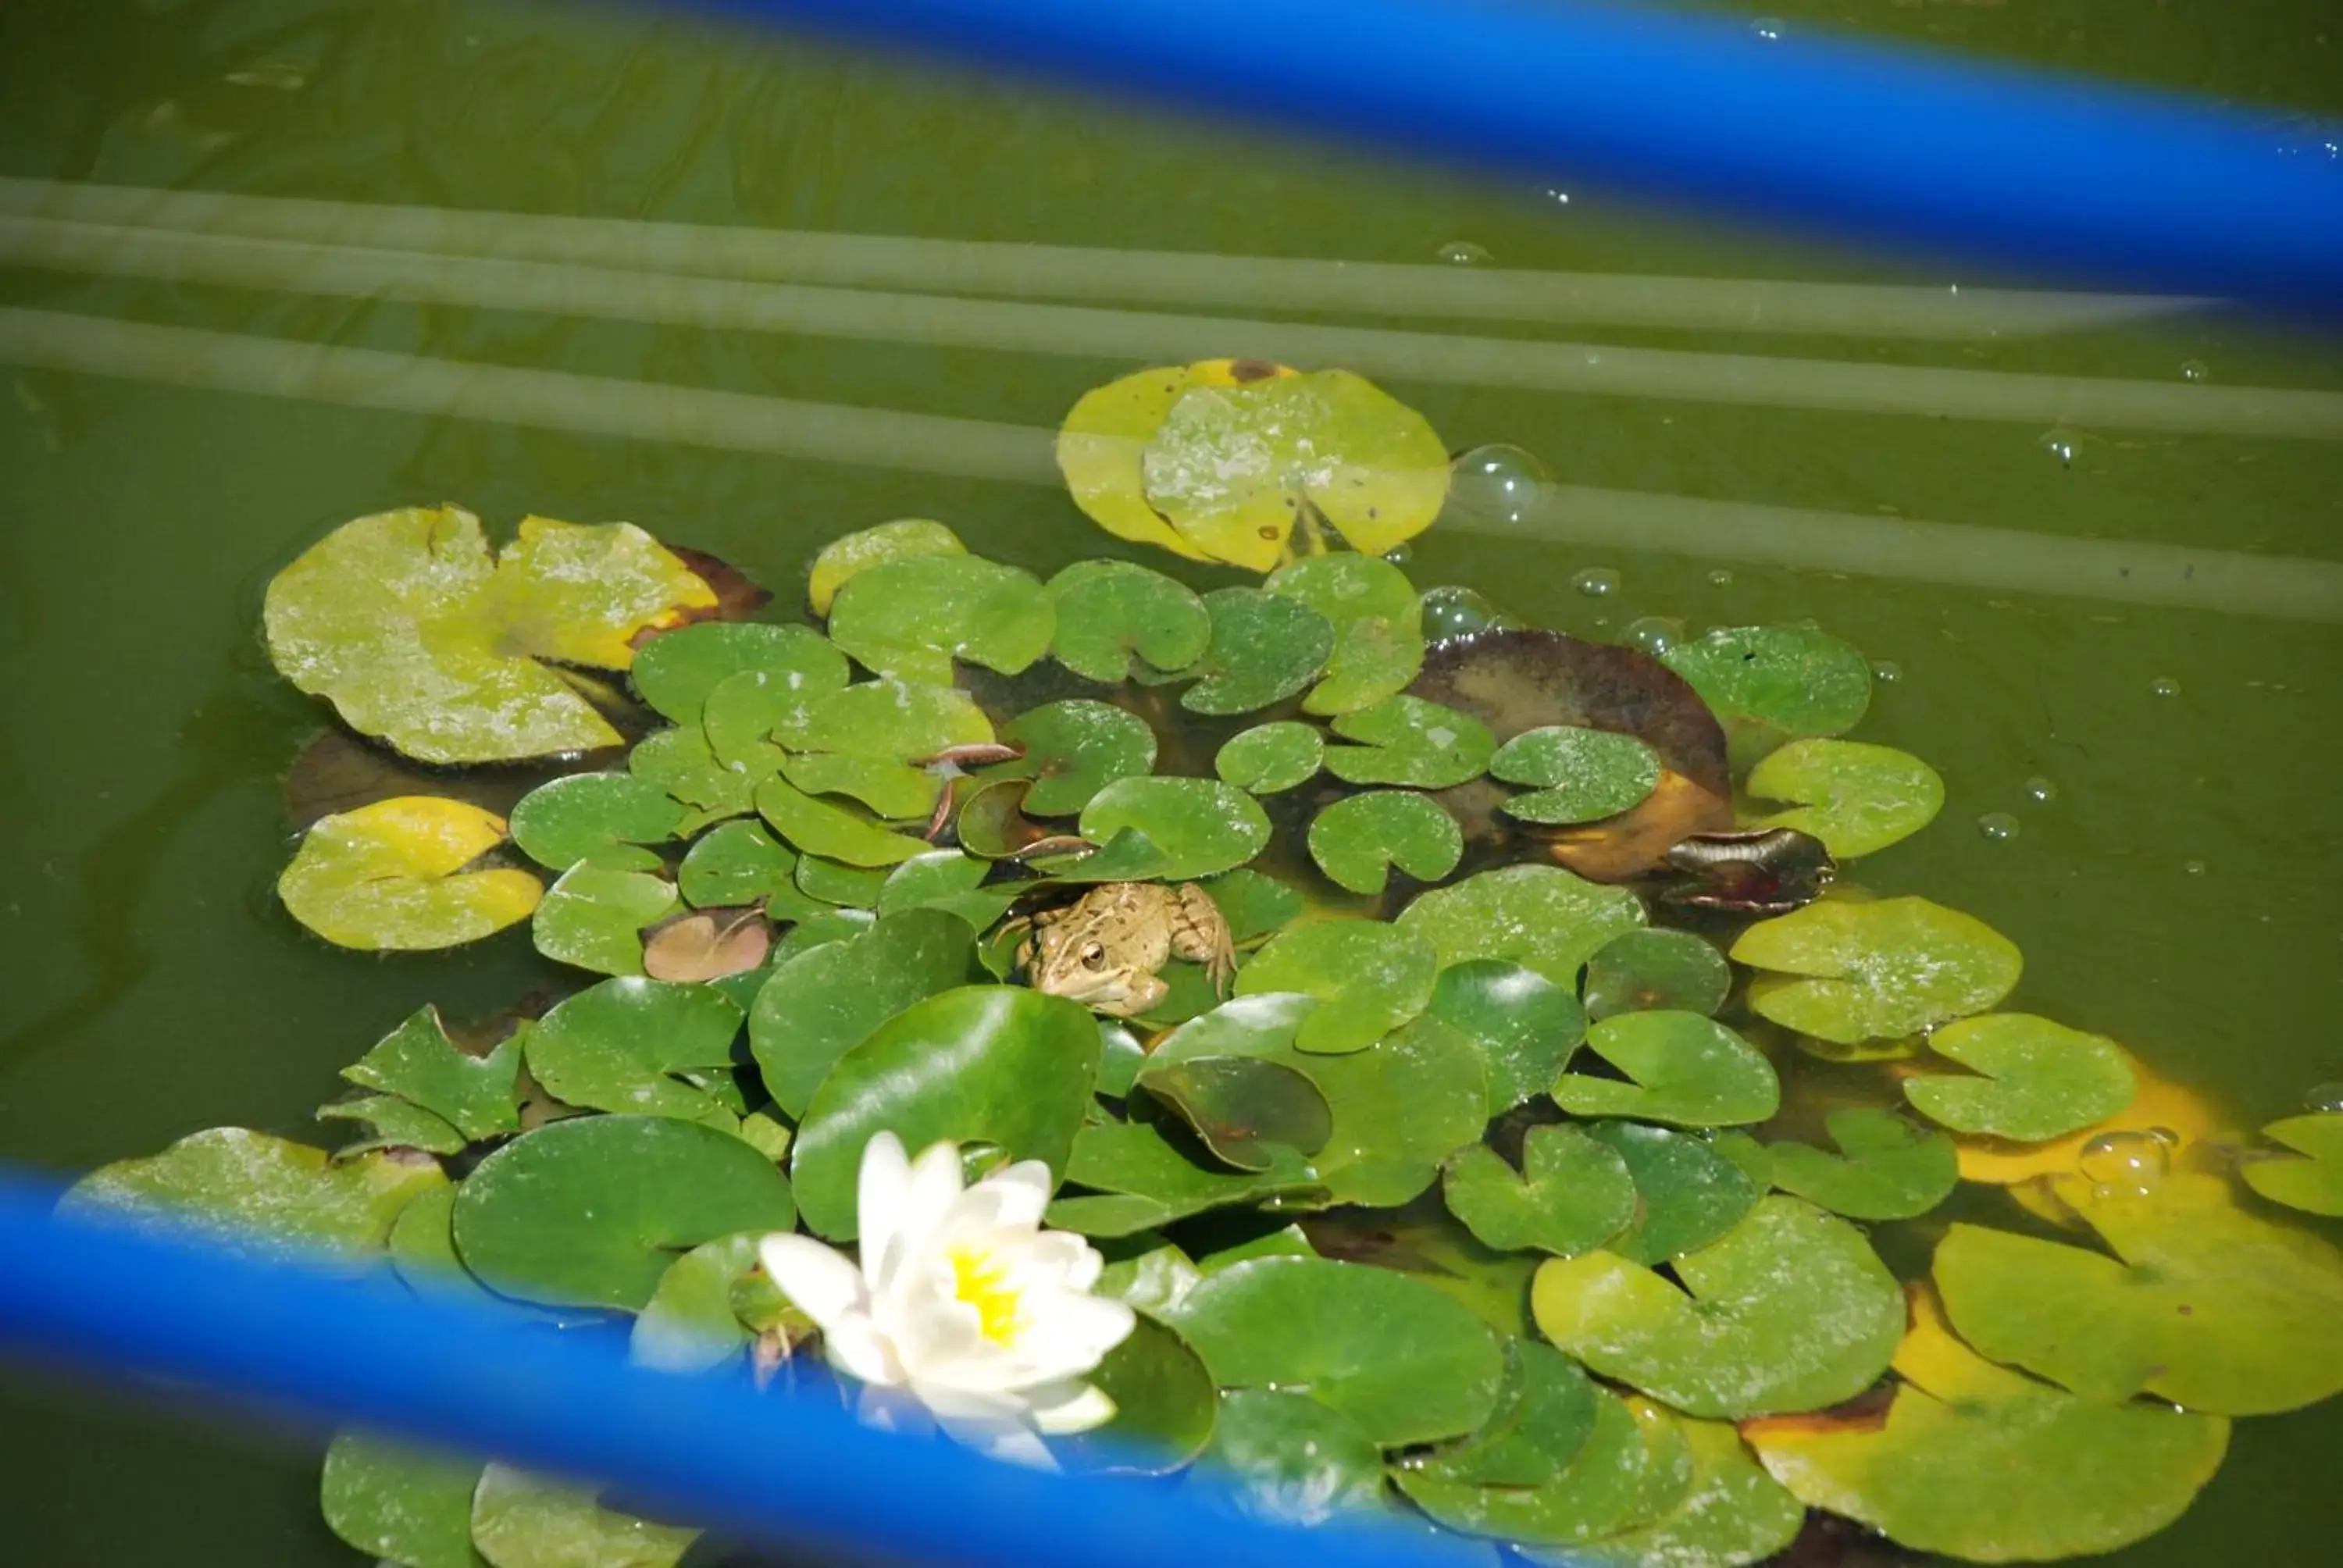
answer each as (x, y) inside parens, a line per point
(2060, 444)
(1596, 582)
(2165, 686)
(2324, 1097)
(2193, 370)
(1452, 611)
(1769, 28)
(2194, 868)
(2041, 790)
(1464, 252)
(1602, 622)
(2125, 1163)
(1399, 555)
(1720, 577)
(1886, 672)
(1998, 825)
(1498, 483)
(1655, 634)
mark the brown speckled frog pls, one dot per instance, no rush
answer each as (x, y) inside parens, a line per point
(1104, 948)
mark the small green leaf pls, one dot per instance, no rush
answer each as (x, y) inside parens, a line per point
(688, 1324)
(394, 1123)
(2314, 1183)
(821, 1003)
(909, 618)
(389, 876)
(1572, 1195)
(841, 887)
(1774, 683)
(1598, 1490)
(1169, 829)
(1073, 749)
(1643, 970)
(1690, 1192)
(1579, 775)
(1407, 740)
(743, 712)
(1142, 1181)
(1264, 648)
(1272, 757)
(1688, 1070)
(739, 863)
(418, 1062)
(1358, 839)
(1888, 1169)
(1369, 978)
(522, 1520)
(1545, 1412)
(1378, 631)
(888, 789)
(2041, 1080)
(675, 671)
(1541, 917)
(1293, 1460)
(1524, 1025)
(1856, 799)
(900, 540)
(1850, 971)
(601, 817)
(682, 763)
(836, 832)
(398, 1503)
(1109, 610)
(594, 919)
(631, 1044)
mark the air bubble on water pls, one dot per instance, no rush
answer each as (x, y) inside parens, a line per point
(1602, 623)
(1769, 28)
(2060, 444)
(1499, 483)
(1998, 825)
(2165, 686)
(1399, 555)
(1655, 634)
(2193, 370)
(2127, 1164)
(2041, 790)
(1596, 582)
(1720, 577)
(1886, 672)
(2166, 1136)
(1464, 252)
(1452, 611)
(2324, 1097)
(2194, 868)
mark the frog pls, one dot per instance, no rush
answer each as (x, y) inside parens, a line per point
(1104, 949)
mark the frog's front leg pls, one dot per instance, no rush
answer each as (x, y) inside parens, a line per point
(1200, 933)
(1140, 995)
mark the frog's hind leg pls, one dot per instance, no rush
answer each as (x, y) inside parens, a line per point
(1201, 935)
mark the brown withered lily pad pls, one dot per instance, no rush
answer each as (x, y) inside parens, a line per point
(707, 945)
(737, 596)
(1767, 871)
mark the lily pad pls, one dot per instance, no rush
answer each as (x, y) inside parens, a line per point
(708, 945)
(1732, 1512)
(634, 1044)
(1596, 1491)
(1101, 444)
(2210, 1307)
(1541, 917)
(682, 763)
(1254, 902)
(1378, 629)
(1264, 649)
(997, 1064)
(1108, 611)
(1850, 971)
(1545, 1414)
(1771, 684)
(688, 1324)
(1654, 970)
(1272, 757)
(1689, 1191)
(389, 876)
(393, 1123)
(1403, 1361)
(1168, 829)
(992, 824)
(1141, 1179)
(836, 832)
(591, 1210)
(404, 621)
(822, 1003)
(901, 540)
(1253, 1114)
(2313, 1183)
(1406, 741)
(1571, 1195)
(1856, 799)
(947, 880)
(595, 919)
(2041, 1080)
(739, 863)
(604, 817)
(909, 618)
(398, 1503)
(1164, 1409)
(841, 887)
(1579, 775)
(524, 1521)
(1369, 978)
(1524, 1025)
(675, 671)
(1073, 749)
(885, 720)
(1359, 838)
(1788, 1310)
(416, 1061)
(1687, 1068)
(1290, 1460)
(1886, 1168)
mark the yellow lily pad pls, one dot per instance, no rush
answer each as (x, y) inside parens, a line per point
(859, 551)
(389, 877)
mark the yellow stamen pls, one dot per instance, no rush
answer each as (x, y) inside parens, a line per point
(979, 1280)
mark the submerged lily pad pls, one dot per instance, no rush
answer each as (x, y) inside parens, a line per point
(1359, 838)
(1849, 971)
(1689, 1191)
(822, 1003)
(595, 919)
(1886, 1168)
(1108, 611)
(1168, 829)
(632, 1044)
(1771, 684)
(1264, 648)
(2210, 1307)
(398, 1503)
(675, 672)
(1855, 797)
(2041, 1080)
(1652, 969)
(902, 539)
(1525, 1026)
(688, 1325)
(1688, 1070)
(2313, 1183)
(909, 618)
(1073, 749)
(1369, 978)
(1290, 1460)
(1579, 775)
(1541, 917)
(1788, 1310)
(604, 817)
(1571, 1195)
(1406, 741)
(389, 876)
(1272, 757)
(404, 621)
(1378, 629)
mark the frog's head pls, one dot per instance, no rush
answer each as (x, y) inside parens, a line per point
(1072, 961)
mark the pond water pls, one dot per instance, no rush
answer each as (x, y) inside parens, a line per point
(2136, 791)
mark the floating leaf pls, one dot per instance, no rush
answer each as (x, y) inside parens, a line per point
(595, 919)
(1689, 1191)
(1524, 1025)
(589, 1212)
(1403, 1361)
(1101, 444)
(1774, 683)
(946, 879)
(1850, 971)
(1143, 1180)
(992, 824)
(604, 818)
(682, 763)
(1541, 917)
(822, 1003)
(1369, 978)
(1075, 748)
(1264, 649)
(1732, 1512)
(887, 721)
(1253, 902)
(1886, 1169)
(998, 1064)
(1545, 1414)
(1788, 1310)
(2314, 1183)
(688, 1324)
(401, 1504)
(1654, 970)
(395, 1124)
(843, 887)
(627, 1044)
(711, 945)
(1378, 631)
(1596, 1491)
(739, 863)
(1571, 1195)
(2041, 1080)
(523, 1521)
(418, 1062)
(389, 876)
(1688, 1070)
(1358, 839)
(836, 832)
(901, 540)
(1291, 1460)
(675, 672)
(1272, 757)
(909, 618)
(1164, 1409)
(417, 637)
(1977, 1462)
(1255, 1115)
(1856, 799)
(1579, 775)
(2210, 1307)
(1407, 740)
(1109, 610)
(1168, 829)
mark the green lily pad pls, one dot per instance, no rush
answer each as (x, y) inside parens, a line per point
(604, 817)
(1408, 740)
(418, 637)
(2040, 1079)
(842, 887)
(1887, 1169)
(1144, 1181)
(259, 1195)
(1121, 1056)
(1099, 449)
(835, 833)
(1377, 628)
(594, 918)
(997, 1064)
(1073, 749)
(1290, 1460)
(1850, 971)
(1579, 775)
(1524, 1025)
(416, 1061)
(822, 1003)
(393, 1123)
(682, 763)
(1110, 611)
(889, 789)
(1272, 757)
(1771, 684)
(1788, 1310)
(1595, 1492)
(909, 618)
(1264, 648)
(635, 1045)
(1571, 1195)
(688, 1324)
(1687, 1068)
(1254, 902)
(2313, 1183)
(903, 540)
(1690, 1192)
(590, 1211)
(523, 1521)
(819, 931)
(2210, 1307)
(1856, 799)
(1541, 917)
(1545, 1414)
(1655, 970)
(398, 1503)
(389, 876)
(1403, 1361)
(1359, 838)
(947, 880)
(886, 721)
(1732, 1512)
(1251, 1114)
(675, 671)
(739, 863)
(1164, 1409)
(1167, 830)
(1369, 978)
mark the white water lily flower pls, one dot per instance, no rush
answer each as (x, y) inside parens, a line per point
(962, 1302)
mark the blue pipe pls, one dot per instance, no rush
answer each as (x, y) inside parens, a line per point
(1991, 164)
(125, 1303)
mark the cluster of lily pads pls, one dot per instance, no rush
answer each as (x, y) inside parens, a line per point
(1530, 1183)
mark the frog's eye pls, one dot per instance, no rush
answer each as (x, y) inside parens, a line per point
(1093, 955)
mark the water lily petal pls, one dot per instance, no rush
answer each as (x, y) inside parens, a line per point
(1061, 1410)
(857, 1348)
(885, 1408)
(881, 1188)
(998, 1426)
(821, 1280)
(1024, 1190)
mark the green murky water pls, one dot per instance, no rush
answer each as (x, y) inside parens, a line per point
(2178, 893)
